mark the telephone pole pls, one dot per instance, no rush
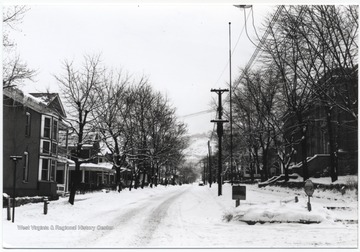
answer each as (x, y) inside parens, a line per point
(231, 126)
(220, 132)
(209, 160)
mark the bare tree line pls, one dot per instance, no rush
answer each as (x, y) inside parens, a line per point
(137, 124)
(308, 59)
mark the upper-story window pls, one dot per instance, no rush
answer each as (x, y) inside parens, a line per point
(27, 124)
(50, 128)
(55, 130)
(45, 147)
(47, 127)
(50, 135)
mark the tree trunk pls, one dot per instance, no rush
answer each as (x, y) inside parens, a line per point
(252, 172)
(286, 171)
(75, 183)
(304, 151)
(131, 181)
(157, 174)
(118, 183)
(265, 166)
(333, 156)
(143, 178)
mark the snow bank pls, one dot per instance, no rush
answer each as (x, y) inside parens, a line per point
(281, 212)
(284, 209)
(345, 180)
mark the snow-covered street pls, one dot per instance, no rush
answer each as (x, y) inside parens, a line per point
(187, 216)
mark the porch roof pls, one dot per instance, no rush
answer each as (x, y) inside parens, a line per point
(107, 167)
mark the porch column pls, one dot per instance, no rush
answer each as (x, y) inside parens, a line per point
(66, 177)
(83, 176)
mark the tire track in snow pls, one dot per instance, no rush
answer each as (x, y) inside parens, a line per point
(134, 227)
(153, 221)
(125, 217)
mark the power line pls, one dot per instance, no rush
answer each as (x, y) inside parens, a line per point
(258, 48)
(256, 52)
(247, 34)
(197, 113)
(233, 50)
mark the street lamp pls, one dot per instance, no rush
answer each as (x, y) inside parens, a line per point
(15, 159)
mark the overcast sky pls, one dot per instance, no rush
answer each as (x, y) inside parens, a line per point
(183, 49)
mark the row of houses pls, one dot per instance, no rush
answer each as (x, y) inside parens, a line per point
(34, 129)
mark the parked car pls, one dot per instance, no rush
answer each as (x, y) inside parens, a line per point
(201, 183)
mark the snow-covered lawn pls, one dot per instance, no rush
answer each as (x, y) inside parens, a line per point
(188, 216)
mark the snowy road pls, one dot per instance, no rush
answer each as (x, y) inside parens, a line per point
(136, 224)
(187, 216)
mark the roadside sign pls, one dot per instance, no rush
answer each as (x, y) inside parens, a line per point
(309, 187)
(239, 192)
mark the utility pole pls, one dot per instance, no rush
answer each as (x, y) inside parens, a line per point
(204, 175)
(209, 160)
(231, 128)
(220, 132)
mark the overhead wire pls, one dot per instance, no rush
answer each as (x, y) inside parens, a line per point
(247, 34)
(232, 52)
(253, 23)
(253, 57)
(222, 73)
(262, 40)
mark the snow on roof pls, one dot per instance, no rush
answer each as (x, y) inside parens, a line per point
(45, 98)
(108, 167)
(35, 101)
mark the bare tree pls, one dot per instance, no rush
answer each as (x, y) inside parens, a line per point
(258, 113)
(309, 45)
(112, 119)
(14, 69)
(330, 35)
(290, 58)
(80, 87)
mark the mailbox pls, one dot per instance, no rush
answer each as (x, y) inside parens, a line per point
(309, 187)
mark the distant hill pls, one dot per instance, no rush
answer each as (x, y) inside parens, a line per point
(198, 147)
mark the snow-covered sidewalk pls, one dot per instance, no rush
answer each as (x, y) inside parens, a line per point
(187, 216)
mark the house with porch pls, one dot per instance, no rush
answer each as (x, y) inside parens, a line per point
(97, 173)
(31, 126)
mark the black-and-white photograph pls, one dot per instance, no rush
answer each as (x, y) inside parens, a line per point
(145, 125)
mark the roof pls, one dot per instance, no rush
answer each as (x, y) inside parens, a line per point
(37, 101)
(105, 166)
(46, 98)
(94, 167)
(52, 101)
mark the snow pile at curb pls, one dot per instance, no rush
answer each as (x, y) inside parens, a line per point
(280, 212)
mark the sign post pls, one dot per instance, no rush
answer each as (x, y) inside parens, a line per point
(238, 193)
(309, 190)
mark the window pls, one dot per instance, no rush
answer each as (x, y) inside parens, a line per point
(45, 147)
(45, 169)
(54, 149)
(27, 124)
(55, 130)
(53, 170)
(47, 127)
(26, 167)
(48, 170)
